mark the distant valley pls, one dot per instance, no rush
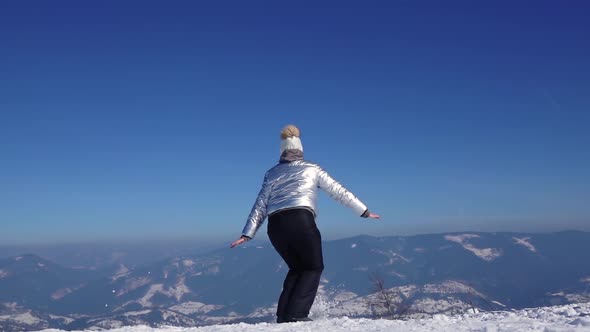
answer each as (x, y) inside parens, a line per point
(364, 276)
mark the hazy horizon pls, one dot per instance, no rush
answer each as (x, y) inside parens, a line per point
(222, 241)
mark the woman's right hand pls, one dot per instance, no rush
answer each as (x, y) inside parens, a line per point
(239, 241)
(374, 216)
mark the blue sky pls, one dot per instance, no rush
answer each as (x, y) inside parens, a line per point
(136, 120)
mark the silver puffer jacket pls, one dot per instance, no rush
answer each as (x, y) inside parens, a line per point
(295, 185)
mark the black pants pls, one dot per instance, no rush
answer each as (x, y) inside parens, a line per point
(295, 236)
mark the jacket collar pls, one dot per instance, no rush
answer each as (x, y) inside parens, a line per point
(291, 155)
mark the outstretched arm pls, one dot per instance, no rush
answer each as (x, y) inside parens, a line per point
(338, 192)
(257, 215)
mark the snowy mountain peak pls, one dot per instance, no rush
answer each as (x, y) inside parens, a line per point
(487, 254)
(525, 242)
(421, 276)
(461, 237)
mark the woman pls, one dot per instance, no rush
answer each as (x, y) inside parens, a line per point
(288, 198)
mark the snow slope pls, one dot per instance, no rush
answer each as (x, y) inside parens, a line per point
(572, 317)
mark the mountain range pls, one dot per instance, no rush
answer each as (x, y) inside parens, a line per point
(364, 276)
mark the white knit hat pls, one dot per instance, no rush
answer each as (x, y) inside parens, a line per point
(290, 139)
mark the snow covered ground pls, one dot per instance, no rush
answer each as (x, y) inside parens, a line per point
(572, 317)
